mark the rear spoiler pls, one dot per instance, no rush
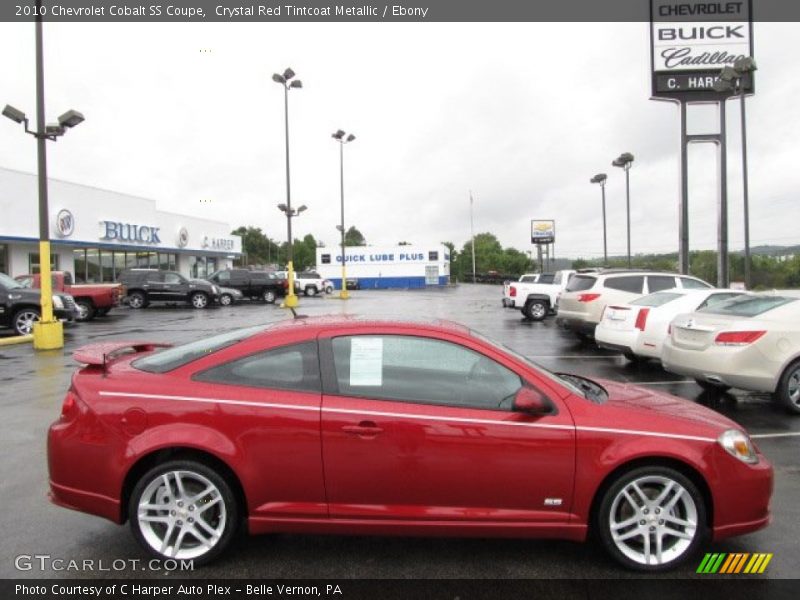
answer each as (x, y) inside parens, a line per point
(100, 354)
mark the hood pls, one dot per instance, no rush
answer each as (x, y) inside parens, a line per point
(657, 406)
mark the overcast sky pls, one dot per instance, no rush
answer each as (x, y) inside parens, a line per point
(521, 114)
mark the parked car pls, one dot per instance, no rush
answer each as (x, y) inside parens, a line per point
(228, 296)
(91, 299)
(383, 427)
(353, 283)
(20, 307)
(638, 329)
(508, 301)
(751, 342)
(312, 283)
(537, 300)
(582, 302)
(264, 285)
(144, 286)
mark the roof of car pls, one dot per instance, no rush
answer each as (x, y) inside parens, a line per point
(367, 322)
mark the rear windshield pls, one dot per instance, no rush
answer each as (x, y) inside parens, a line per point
(579, 283)
(747, 306)
(546, 277)
(527, 279)
(172, 358)
(657, 299)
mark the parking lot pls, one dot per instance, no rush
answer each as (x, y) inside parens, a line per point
(33, 386)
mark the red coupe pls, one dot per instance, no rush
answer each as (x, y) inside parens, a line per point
(353, 426)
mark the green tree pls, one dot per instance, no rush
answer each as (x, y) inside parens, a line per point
(353, 237)
(257, 248)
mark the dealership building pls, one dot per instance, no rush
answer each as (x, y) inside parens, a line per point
(97, 233)
(384, 267)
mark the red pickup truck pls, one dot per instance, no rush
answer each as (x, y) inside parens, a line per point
(92, 299)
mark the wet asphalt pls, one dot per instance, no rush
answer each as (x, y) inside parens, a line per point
(32, 386)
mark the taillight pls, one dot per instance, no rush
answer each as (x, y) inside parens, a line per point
(69, 408)
(641, 319)
(738, 338)
(587, 297)
(512, 291)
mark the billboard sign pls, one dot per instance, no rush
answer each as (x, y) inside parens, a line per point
(543, 232)
(692, 40)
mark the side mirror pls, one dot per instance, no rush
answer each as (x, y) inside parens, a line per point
(532, 402)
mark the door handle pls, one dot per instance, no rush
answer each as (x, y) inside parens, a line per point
(364, 428)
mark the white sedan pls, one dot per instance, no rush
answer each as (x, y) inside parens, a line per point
(638, 328)
(751, 342)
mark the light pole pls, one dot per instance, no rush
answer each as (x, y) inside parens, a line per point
(48, 333)
(287, 81)
(339, 136)
(625, 161)
(731, 79)
(601, 179)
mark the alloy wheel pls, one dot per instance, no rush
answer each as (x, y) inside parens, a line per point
(225, 300)
(182, 514)
(24, 320)
(199, 300)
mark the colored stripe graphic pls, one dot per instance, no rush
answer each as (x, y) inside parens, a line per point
(734, 563)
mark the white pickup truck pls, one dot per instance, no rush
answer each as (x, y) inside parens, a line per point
(537, 300)
(508, 301)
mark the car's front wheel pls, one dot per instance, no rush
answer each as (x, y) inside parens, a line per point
(652, 518)
(183, 510)
(226, 300)
(310, 291)
(199, 300)
(86, 310)
(788, 392)
(329, 289)
(137, 300)
(24, 319)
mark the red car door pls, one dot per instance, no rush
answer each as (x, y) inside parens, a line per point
(421, 429)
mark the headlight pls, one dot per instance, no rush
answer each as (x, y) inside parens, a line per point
(58, 302)
(738, 444)
(14, 296)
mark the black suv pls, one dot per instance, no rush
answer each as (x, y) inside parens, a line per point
(253, 284)
(140, 287)
(20, 307)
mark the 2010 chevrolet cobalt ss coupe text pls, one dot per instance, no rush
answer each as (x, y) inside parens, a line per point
(348, 426)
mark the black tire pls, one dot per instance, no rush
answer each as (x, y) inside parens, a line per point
(199, 300)
(536, 310)
(86, 310)
(650, 519)
(225, 300)
(269, 296)
(23, 320)
(102, 312)
(329, 290)
(712, 388)
(788, 392)
(224, 517)
(137, 300)
(310, 290)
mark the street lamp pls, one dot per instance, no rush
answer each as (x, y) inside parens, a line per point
(287, 81)
(601, 179)
(625, 161)
(339, 136)
(731, 79)
(48, 333)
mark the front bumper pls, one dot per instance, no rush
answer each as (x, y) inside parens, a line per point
(742, 496)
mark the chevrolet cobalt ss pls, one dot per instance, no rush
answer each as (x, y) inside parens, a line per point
(348, 426)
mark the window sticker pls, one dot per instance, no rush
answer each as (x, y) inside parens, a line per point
(366, 361)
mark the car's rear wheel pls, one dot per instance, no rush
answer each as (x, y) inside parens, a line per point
(329, 289)
(226, 300)
(652, 518)
(183, 510)
(199, 300)
(24, 319)
(714, 388)
(86, 310)
(269, 296)
(310, 291)
(535, 310)
(137, 300)
(788, 392)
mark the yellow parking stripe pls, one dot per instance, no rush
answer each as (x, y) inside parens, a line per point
(765, 563)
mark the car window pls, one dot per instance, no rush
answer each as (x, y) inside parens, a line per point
(748, 306)
(154, 277)
(657, 299)
(172, 278)
(629, 283)
(694, 284)
(294, 367)
(546, 278)
(26, 282)
(423, 370)
(657, 283)
(527, 279)
(580, 283)
(222, 276)
(172, 358)
(717, 298)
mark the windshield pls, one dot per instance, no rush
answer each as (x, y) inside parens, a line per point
(747, 306)
(172, 358)
(657, 299)
(8, 283)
